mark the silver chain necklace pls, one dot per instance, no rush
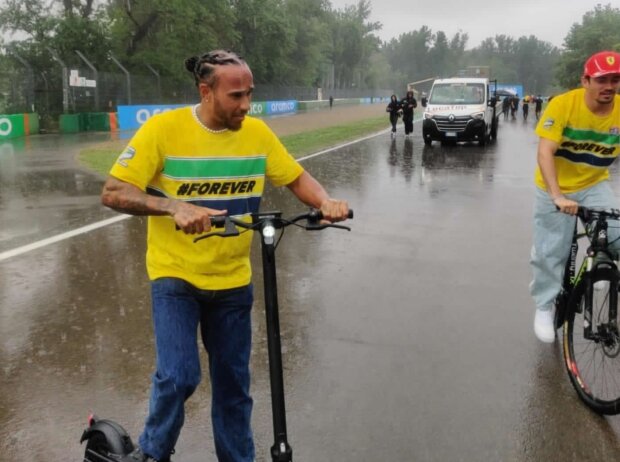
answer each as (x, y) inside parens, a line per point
(203, 125)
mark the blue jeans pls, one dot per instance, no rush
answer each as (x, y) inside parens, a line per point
(224, 317)
(553, 234)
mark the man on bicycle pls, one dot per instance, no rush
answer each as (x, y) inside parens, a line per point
(579, 140)
(181, 168)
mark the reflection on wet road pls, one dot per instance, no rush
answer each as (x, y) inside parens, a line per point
(407, 339)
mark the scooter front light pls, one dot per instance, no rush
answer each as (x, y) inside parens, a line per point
(268, 234)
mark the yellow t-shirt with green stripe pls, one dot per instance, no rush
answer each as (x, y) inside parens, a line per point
(173, 156)
(587, 144)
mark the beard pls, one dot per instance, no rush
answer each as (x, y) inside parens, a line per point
(232, 122)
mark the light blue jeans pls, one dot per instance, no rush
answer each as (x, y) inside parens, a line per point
(553, 234)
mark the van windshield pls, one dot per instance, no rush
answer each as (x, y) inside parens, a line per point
(457, 93)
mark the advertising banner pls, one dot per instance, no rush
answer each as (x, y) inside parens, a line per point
(132, 117)
(11, 126)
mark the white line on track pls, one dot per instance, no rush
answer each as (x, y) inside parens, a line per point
(61, 237)
(100, 224)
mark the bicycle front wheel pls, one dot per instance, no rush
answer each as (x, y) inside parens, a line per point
(592, 341)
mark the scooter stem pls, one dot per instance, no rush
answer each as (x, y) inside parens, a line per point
(281, 451)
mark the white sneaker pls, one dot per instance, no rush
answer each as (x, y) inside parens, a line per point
(544, 325)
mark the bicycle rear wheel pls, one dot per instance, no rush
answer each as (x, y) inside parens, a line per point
(592, 356)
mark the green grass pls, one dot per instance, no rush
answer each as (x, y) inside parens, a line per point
(100, 158)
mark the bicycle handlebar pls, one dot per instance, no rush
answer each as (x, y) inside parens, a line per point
(587, 214)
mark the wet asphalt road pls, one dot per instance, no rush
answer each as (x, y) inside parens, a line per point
(407, 339)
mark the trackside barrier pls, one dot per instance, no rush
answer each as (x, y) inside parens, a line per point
(88, 121)
(132, 117)
(316, 104)
(18, 125)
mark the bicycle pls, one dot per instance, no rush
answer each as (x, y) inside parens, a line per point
(266, 223)
(587, 311)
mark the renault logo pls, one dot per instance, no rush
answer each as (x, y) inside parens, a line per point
(451, 118)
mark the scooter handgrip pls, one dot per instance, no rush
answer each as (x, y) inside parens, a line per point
(218, 221)
(319, 214)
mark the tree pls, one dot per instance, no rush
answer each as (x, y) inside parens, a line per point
(422, 54)
(353, 43)
(599, 30)
(526, 61)
(308, 57)
(163, 33)
(266, 38)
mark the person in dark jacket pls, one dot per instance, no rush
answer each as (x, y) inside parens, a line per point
(538, 102)
(526, 107)
(408, 104)
(394, 110)
(506, 103)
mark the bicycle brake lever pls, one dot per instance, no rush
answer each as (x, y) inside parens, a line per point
(230, 230)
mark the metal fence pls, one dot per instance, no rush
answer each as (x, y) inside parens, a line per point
(73, 87)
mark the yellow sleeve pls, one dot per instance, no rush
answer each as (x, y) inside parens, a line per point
(282, 168)
(141, 159)
(553, 121)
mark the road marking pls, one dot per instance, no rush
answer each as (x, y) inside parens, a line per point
(100, 224)
(61, 237)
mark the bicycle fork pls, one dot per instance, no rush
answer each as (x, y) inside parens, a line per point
(605, 331)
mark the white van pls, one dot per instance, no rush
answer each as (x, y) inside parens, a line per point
(460, 109)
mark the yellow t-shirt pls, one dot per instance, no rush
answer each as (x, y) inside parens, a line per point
(173, 156)
(587, 144)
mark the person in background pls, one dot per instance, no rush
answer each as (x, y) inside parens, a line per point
(514, 106)
(506, 103)
(394, 109)
(526, 107)
(408, 104)
(180, 169)
(579, 139)
(538, 106)
(331, 101)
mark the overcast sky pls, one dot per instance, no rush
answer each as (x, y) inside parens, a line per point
(548, 20)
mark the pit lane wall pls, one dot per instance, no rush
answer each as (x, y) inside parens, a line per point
(18, 125)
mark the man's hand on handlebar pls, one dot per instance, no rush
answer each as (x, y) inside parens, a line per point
(566, 205)
(192, 219)
(334, 210)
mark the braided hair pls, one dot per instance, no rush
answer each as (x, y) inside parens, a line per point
(203, 67)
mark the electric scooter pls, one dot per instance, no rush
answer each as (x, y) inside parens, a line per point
(108, 441)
